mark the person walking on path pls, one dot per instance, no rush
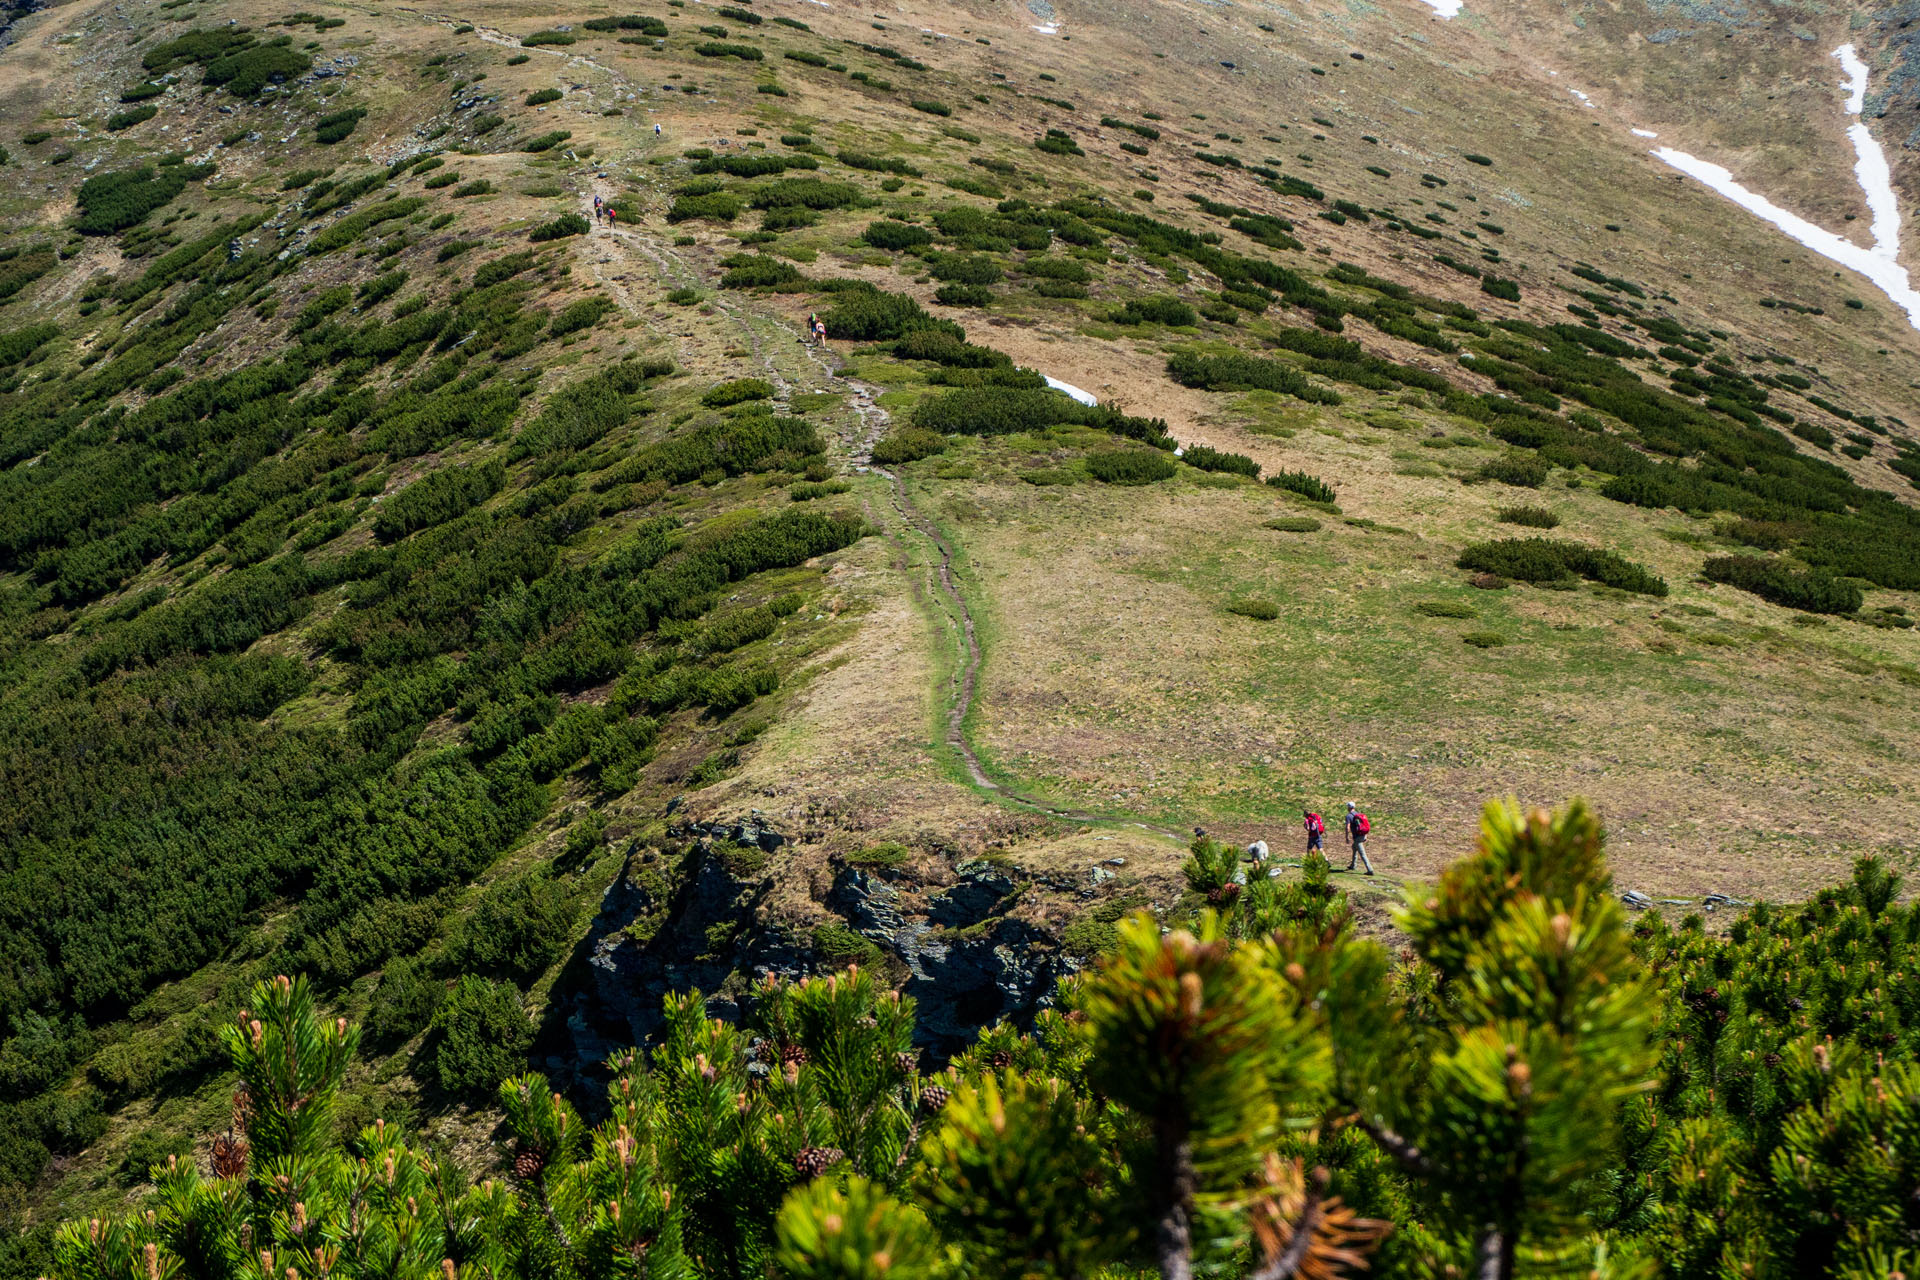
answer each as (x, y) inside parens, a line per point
(1358, 828)
(1316, 831)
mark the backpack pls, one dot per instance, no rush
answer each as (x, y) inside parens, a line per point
(1361, 824)
(1316, 825)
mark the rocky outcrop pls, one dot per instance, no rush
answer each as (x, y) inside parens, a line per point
(968, 963)
(694, 916)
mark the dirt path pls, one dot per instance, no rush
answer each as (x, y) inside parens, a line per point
(764, 336)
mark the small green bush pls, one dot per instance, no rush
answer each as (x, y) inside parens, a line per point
(1310, 487)
(725, 49)
(1154, 310)
(518, 928)
(404, 1003)
(479, 187)
(546, 37)
(567, 224)
(1240, 373)
(963, 295)
(1499, 288)
(930, 107)
(907, 444)
(1204, 458)
(869, 315)
(575, 316)
(128, 119)
(1293, 524)
(1445, 609)
(1484, 639)
(888, 234)
(1259, 610)
(714, 206)
(1775, 582)
(541, 96)
(1546, 560)
(966, 268)
(1531, 517)
(839, 946)
(758, 272)
(738, 391)
(483, 1037)
(1470, 158)
(1130, 466)
(1059, 143)
(1521, 470)
(111, 202)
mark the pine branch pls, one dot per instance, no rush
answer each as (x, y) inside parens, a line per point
(1413, 1158)
(1284, 1264)
(553, 1219)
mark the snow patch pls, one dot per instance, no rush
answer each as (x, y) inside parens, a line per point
(1645, 133)
(1887, 275)
(1047, 29)
(1856, 78)
(1879, 264)
(1585, 101)
(1071, 390)
(1445, 8)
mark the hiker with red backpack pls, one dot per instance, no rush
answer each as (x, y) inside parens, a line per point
(1316, 831)
(1358, 828)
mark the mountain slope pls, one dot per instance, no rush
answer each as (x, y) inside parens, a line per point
(396, 559)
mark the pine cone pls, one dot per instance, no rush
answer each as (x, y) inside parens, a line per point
(906, 1062)
(229, 1156)
(794, 1054)
(811, 1162)
(999, 1058)
(242, 1109)
(933, 1098)
(528, 1164)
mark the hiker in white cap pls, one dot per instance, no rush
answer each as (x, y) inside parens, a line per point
(1358, 828)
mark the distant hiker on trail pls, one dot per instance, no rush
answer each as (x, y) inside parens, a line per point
(596, 206)
(1316, 831)
(656, 131)
(613, 215)
(813, 325)
(819, 333)
(1257, 853)
(1358, 828)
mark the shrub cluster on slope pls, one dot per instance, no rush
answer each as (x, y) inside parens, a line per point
(1501, 1095)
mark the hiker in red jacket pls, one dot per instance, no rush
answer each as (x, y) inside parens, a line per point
(1358, 828)
(1316, 831)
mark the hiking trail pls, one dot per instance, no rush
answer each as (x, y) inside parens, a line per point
(763, 335)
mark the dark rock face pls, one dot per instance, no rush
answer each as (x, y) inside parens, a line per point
(671, 923)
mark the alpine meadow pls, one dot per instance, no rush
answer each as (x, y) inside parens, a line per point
(739, 641)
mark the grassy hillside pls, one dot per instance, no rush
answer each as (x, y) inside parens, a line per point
(394, 559)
